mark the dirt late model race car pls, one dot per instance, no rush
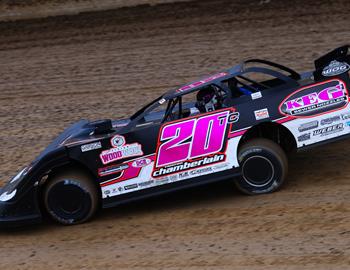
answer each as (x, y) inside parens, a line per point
(238, 124)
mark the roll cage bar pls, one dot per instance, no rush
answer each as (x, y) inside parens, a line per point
(171, 105)
(292, 73)
(240, 70)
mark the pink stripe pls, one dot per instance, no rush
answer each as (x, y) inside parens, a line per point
(236, 134)
(129, 173)
(280, 121)
(286, 119)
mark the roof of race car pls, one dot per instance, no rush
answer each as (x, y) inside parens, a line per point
(279, 72)
(237, 70)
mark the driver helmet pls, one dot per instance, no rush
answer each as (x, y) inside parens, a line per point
(207, 100)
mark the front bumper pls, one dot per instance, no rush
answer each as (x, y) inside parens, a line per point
(19, 198)
(21, 211)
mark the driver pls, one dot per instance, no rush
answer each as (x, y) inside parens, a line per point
(208, 100)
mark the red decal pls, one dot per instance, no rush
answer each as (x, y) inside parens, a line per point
(316, 99)
(203, 81)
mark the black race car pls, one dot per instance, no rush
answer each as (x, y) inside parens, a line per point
(240, 124)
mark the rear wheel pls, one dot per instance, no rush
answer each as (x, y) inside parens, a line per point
(264, 167)
(71, 197)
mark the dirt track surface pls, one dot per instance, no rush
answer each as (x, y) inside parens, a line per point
(11, 10)
(105, 65)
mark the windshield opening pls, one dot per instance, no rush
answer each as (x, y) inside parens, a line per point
(143, 109)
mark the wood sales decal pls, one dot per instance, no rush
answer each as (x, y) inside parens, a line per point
(316, 99)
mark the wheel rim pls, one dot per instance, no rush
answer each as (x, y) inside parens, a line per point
(68, 201)
(258, 171)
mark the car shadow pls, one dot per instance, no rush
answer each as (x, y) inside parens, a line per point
(206, 194)
(179, 199)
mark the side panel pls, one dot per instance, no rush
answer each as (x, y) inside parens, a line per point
(318, 112)
(186, 149)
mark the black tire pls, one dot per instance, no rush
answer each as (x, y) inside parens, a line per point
(70, 197)
(264, 167)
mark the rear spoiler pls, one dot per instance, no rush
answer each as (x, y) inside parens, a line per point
(339, 54)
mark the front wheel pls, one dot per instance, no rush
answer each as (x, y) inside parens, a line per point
(264, 167)
(70, 197)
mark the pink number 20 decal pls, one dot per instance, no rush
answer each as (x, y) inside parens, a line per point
(192, 138)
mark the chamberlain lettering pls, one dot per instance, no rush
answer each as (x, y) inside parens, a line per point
(189, 165)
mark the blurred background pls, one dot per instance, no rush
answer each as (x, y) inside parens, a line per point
(62, 61)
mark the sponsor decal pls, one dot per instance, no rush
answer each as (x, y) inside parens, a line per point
(162, 101)
(345, 116)
(91, 146)
(162, 181)
(304, 137)
(107, 192)
(335, 68)
(6, 196)
(329, 130)
(121, 150)
(114, 190)
(201, 82)
(316, 99)
(220, 167)
(142, 162)
(117, 141)
(189, 165)
(147, 183)
(127, 174)
(195, 173)
(173, 178)
(261, 114)
(256, 95)
(190, 139)
(112, 169)
(128, 187)
(330, 120)
(308, 126)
